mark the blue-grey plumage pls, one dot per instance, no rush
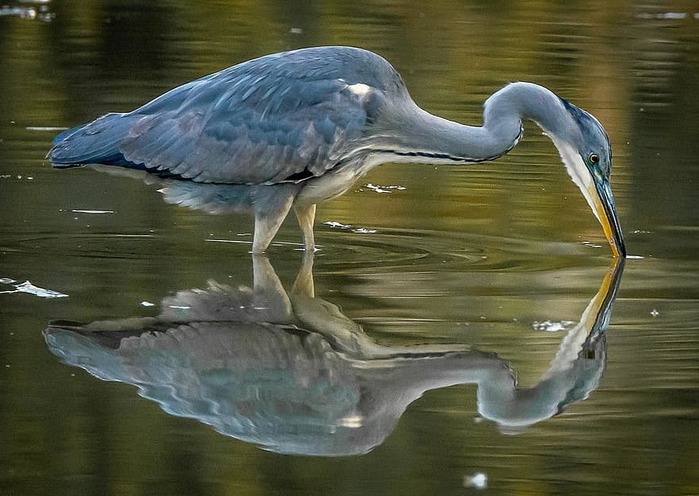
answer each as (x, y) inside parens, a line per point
(321, 118)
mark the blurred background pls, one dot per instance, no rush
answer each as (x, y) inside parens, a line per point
(415, 254)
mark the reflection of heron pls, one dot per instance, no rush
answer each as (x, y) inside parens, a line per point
(317, 119)
(290, 372)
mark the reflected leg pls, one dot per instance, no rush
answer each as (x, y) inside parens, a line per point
(268, 291)
(303, 286)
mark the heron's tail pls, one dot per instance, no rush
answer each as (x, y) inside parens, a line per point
(93, 143)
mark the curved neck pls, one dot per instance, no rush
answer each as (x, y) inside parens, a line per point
(419, 135)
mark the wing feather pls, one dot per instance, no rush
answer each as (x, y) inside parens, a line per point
(278, 118)
(243, 138)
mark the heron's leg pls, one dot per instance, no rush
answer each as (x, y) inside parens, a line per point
(306, 215)
(267, 224)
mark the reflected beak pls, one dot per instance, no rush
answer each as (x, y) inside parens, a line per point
(600, 192)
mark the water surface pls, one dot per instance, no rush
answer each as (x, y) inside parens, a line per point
(491, 276)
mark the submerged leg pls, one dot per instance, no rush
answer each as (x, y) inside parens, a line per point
(306, 215)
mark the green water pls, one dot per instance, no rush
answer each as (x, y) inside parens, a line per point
(473, 267)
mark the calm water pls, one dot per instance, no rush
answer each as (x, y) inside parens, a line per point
(466, 331)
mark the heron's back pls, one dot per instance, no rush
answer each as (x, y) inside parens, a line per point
(282, 117)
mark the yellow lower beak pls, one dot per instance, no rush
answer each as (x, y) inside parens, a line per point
(605, 210)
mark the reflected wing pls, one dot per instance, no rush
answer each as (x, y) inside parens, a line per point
(265, 121)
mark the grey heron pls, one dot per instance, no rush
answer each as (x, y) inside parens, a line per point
(317, 119)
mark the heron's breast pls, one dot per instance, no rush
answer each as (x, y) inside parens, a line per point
(336, 181)
(326, 187)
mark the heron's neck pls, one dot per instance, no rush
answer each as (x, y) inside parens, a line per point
(426, 137)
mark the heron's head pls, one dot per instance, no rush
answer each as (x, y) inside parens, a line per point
(587, 154)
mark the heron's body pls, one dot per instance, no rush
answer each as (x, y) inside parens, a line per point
(320, 118)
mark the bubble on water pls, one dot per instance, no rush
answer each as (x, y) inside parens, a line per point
(654, 313)
(477, 480)
(664, 15)
(52, 129)
(337, 225)
(40, 12)
(29, 288)
(383, 189)
(90, 211)
(549, 326)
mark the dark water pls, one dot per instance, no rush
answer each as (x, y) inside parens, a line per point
(460, 326)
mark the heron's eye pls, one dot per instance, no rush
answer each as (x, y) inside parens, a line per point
(593, 158)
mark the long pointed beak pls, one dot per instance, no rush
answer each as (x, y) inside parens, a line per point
(605, 211)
